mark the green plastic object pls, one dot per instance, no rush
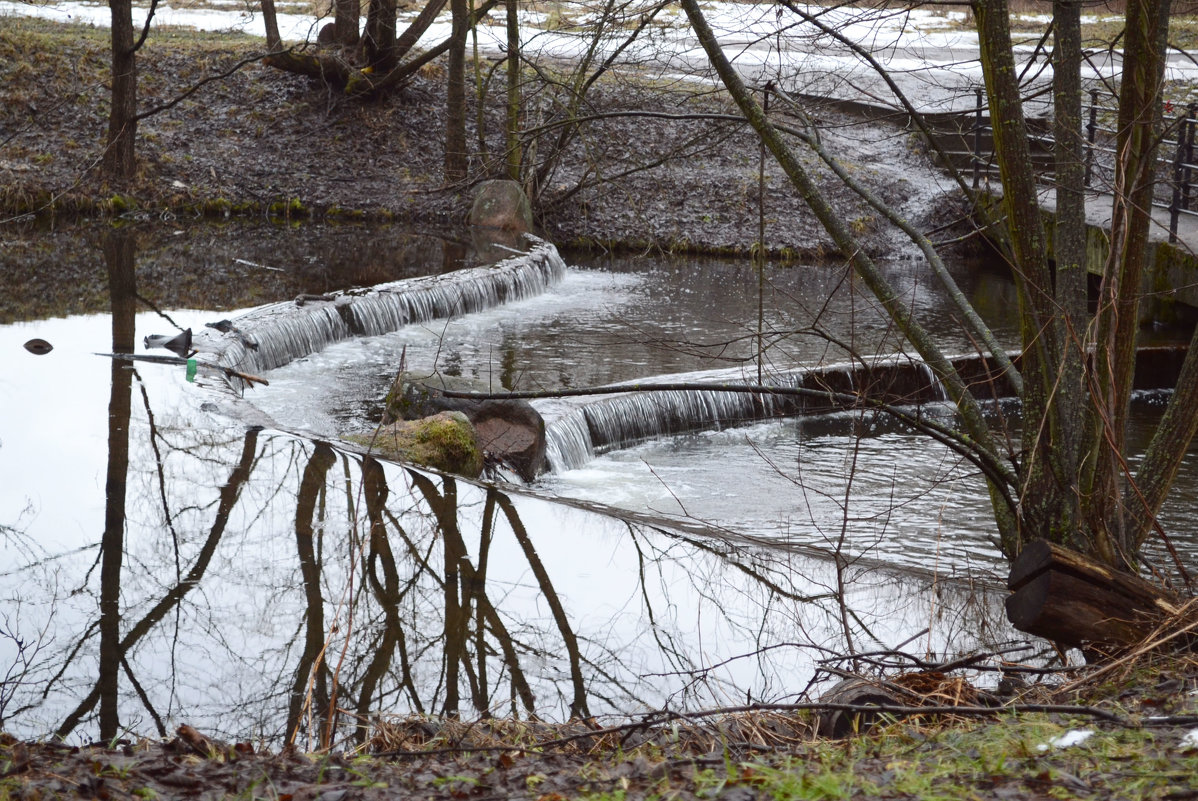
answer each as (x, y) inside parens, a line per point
(191, 369)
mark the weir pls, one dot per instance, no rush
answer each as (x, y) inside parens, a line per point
(580, 429)
(274, 335)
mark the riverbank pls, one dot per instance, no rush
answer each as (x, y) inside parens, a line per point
(267, 144)
(1131, 737)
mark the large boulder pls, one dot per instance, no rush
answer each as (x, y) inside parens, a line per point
(510, 432)
(445, 442)
(501, 204)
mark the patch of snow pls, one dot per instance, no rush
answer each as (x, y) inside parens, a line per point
(934, 61)
(1190, 740)
(1067, 740)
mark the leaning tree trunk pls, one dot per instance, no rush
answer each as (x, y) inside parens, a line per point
(999, 479)
(119, 163)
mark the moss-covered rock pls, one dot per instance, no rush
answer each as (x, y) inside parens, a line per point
(509, 432)
(444, 441)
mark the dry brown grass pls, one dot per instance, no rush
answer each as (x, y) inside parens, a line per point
(422, 734)
(1172, 646)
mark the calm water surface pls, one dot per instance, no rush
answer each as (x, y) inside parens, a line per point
(161, 563)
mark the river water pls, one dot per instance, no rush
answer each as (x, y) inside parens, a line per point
(164, 561)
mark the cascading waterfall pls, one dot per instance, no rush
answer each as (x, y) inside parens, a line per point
(274, 335)
(579, 429)
(577, 432)
(284, 333)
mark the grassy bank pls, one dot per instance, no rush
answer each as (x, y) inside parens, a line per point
(268, 145)
(1111, 750)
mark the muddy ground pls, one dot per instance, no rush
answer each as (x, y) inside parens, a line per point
(263, 143)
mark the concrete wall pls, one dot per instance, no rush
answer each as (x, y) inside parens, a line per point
(1170, 281)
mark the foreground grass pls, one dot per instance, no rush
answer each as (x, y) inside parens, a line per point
(1008, 757)
(1124, 729)
(1003, 758)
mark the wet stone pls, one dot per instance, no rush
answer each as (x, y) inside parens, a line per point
(501, 204)
(510, 432)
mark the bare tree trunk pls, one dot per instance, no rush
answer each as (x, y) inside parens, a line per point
(381, 52)
(455, 96)
(120, 162)
(1069, 251)
(345, 21)
(270, 19)
(1119, 298)
(513, 91)
(1041, 495)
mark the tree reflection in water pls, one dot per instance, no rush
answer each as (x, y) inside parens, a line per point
(258, 584)
(118, 249)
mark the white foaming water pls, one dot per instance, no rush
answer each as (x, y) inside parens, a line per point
(812, 482)
(326, 392)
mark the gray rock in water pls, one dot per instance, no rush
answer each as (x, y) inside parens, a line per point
(511, 432)
(501, 204)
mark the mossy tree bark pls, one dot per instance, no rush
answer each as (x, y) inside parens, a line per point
(1042, 494)
(1075, 487)
(1138, 132)
(1069, 251)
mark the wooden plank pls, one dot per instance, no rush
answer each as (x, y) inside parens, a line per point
(1068, 598)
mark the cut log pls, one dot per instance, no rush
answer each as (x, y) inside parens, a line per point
(1070, 599)
(841, 723)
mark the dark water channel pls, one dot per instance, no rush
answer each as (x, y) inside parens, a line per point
(162, 563)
